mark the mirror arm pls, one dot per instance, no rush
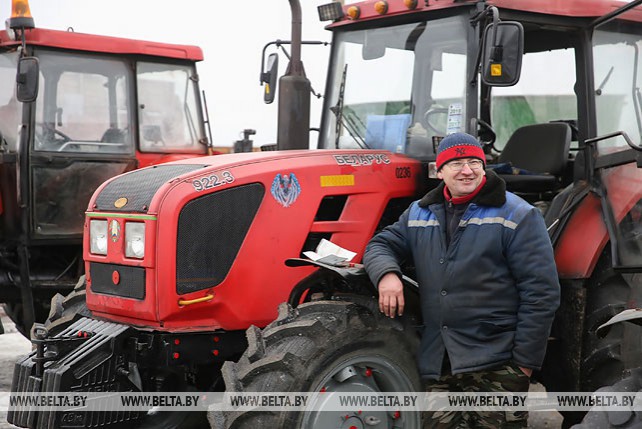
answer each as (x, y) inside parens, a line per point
(279, 44)
(23, 40)
(263, 75)
(490, 10)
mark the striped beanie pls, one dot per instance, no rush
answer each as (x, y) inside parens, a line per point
(459, 145)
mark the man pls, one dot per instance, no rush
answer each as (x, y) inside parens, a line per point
(487, 277)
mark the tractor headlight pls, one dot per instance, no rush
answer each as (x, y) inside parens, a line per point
(135, 240)
(98, 237)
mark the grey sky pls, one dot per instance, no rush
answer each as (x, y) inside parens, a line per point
(231, 33)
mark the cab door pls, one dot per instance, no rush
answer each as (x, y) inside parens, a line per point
(82, 135)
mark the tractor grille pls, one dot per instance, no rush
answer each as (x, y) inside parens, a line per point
(139, 187)
(90, 366)
(131, 284)
(211, 230)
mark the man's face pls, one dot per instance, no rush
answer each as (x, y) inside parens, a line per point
(462, 176)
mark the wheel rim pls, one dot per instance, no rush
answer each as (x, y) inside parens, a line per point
(363, 374)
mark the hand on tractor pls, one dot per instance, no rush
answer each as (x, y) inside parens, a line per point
(391, 301)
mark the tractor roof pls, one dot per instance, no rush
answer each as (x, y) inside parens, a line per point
(562, 8)
(105, 44)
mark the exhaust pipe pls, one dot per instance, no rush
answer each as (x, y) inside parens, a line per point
(293, 130)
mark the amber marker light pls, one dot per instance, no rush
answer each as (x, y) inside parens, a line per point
(353, 12)
(381, 7)
(410, 4)
(20, 15)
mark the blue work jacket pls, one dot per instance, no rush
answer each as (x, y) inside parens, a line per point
(487, 298)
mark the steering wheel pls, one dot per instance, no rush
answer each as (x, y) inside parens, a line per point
(49, 136)
(489, 132)
(428, 116)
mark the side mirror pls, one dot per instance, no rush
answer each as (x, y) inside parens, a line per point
(27, 79)
(269, 78)
(503, 49)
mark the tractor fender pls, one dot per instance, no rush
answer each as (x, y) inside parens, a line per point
(333, 272)
(585, 235)
(581, 243)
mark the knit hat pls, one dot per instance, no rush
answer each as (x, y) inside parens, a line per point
(459, 145)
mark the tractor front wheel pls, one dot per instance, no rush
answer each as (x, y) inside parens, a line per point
(324, 346)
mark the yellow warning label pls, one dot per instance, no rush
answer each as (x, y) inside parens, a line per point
(495, 69)
(337, 180)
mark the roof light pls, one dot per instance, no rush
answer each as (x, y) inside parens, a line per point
(20, 15)
(410, 4)
(330, 12)
(381, 7)
(354, 12)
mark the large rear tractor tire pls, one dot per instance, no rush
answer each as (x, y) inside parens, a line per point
(625, 419)
(324, 346)
(604, 359)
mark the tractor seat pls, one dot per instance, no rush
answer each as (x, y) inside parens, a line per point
(114, 135)
(539, 153)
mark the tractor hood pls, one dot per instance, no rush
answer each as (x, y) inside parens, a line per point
(218, 230)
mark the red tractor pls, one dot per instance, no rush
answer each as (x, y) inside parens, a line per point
(196, 278)
(86, 108)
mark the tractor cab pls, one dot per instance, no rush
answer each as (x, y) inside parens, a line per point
(95, 116)
(75, 110)
(524, 81)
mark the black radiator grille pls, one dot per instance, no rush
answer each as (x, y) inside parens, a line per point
(131, 280)
(211, 230)
(139, 187)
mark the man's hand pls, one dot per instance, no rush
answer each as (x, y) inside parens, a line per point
(391, 300)
(526, 371)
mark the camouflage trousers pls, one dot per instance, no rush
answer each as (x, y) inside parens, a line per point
(507, 378)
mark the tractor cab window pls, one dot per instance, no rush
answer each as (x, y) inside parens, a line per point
(10, 108)
(168, 109)
(543, 94)
(83, 106)
(617, 67)
(396, 88)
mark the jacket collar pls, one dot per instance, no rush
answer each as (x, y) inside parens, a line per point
(493, 193)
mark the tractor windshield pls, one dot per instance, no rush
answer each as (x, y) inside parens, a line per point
(168, 108)
(395, 88)
(84, 105)
(87, 106)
